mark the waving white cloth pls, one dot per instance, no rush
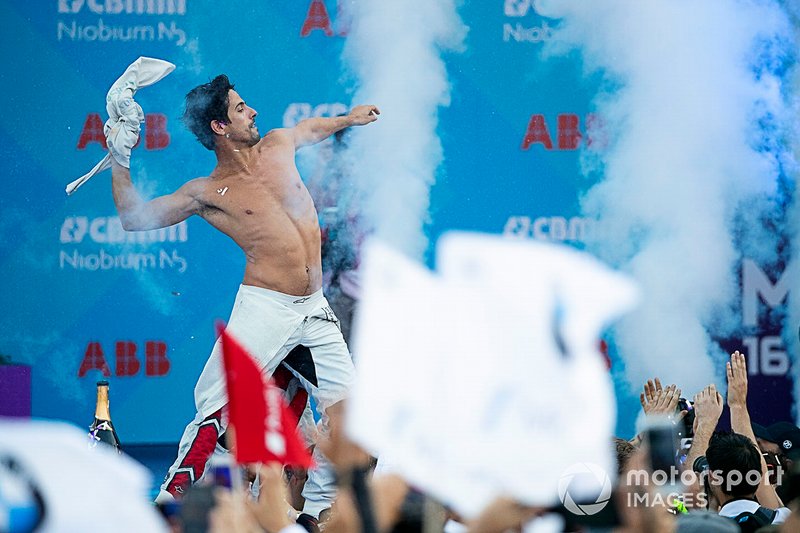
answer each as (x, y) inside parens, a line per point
(124, 114)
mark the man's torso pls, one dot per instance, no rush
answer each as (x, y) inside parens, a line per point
(267, 210)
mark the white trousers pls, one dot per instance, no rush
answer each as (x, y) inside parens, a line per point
(270, 326)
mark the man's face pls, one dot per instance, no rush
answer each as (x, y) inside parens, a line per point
(769, 447)
(242, 127)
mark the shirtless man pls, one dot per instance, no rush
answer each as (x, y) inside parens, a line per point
(255, 196)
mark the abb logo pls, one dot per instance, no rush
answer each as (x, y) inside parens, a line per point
(156, 135)
(127, 363)
(317, 18)
(568, 132)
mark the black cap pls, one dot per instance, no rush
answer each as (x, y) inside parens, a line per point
(763, 433)
(787, 436)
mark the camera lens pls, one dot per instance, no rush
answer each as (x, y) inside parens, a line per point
(700, 464)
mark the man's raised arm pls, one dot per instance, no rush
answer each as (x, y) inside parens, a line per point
(314, 130)
(736, 371)
(136, 214)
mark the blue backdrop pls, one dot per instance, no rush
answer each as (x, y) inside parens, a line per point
(78, 291)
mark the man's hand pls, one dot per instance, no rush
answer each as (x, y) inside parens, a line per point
(737, 380)
(271, 509)
(343, 453)
(503, 514)
(657, 400)
(708, 407)
(363, 114)
(230, 514)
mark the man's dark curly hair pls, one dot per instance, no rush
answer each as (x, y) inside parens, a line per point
(205, 103)
(732, 452)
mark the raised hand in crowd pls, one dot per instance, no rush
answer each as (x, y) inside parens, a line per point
(272, 508)
(503, 514)
(387, 493)
(708, 406)
(384, 494)
(236, 512)
(230, 513)
(736, 372)
(657, 400)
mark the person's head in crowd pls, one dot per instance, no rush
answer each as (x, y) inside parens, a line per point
(783, 455)
(765, 439)
(731, 457)
(773, 454)
(705, 522)
(787, 438)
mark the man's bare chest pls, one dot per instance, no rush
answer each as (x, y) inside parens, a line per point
(252, 196)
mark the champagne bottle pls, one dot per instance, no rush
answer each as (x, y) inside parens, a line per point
(101, 429)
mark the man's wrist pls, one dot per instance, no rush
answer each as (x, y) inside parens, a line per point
(737, 406)
(706, 427)
(279, 524)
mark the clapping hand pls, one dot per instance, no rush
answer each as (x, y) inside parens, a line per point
(657, 400)
(708, 406)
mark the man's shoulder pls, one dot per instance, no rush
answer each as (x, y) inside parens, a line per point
(200, 182)
(196, 187)
(277, 136)
(735, 507)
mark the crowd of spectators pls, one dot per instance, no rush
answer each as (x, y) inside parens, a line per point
(740, 479)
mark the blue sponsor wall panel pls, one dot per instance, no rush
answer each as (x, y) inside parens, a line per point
(79, 291)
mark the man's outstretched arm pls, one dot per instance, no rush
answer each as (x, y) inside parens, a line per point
(136, 214)
(314, 130)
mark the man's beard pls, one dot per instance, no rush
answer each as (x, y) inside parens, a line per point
(254, 136)
(251, 137)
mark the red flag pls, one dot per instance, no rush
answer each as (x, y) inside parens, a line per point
(262, 425)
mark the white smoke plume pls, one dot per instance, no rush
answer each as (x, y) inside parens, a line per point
(792, 326)
(393, 51)
(692, 110)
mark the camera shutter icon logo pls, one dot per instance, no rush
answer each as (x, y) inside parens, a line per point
(587, 484)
